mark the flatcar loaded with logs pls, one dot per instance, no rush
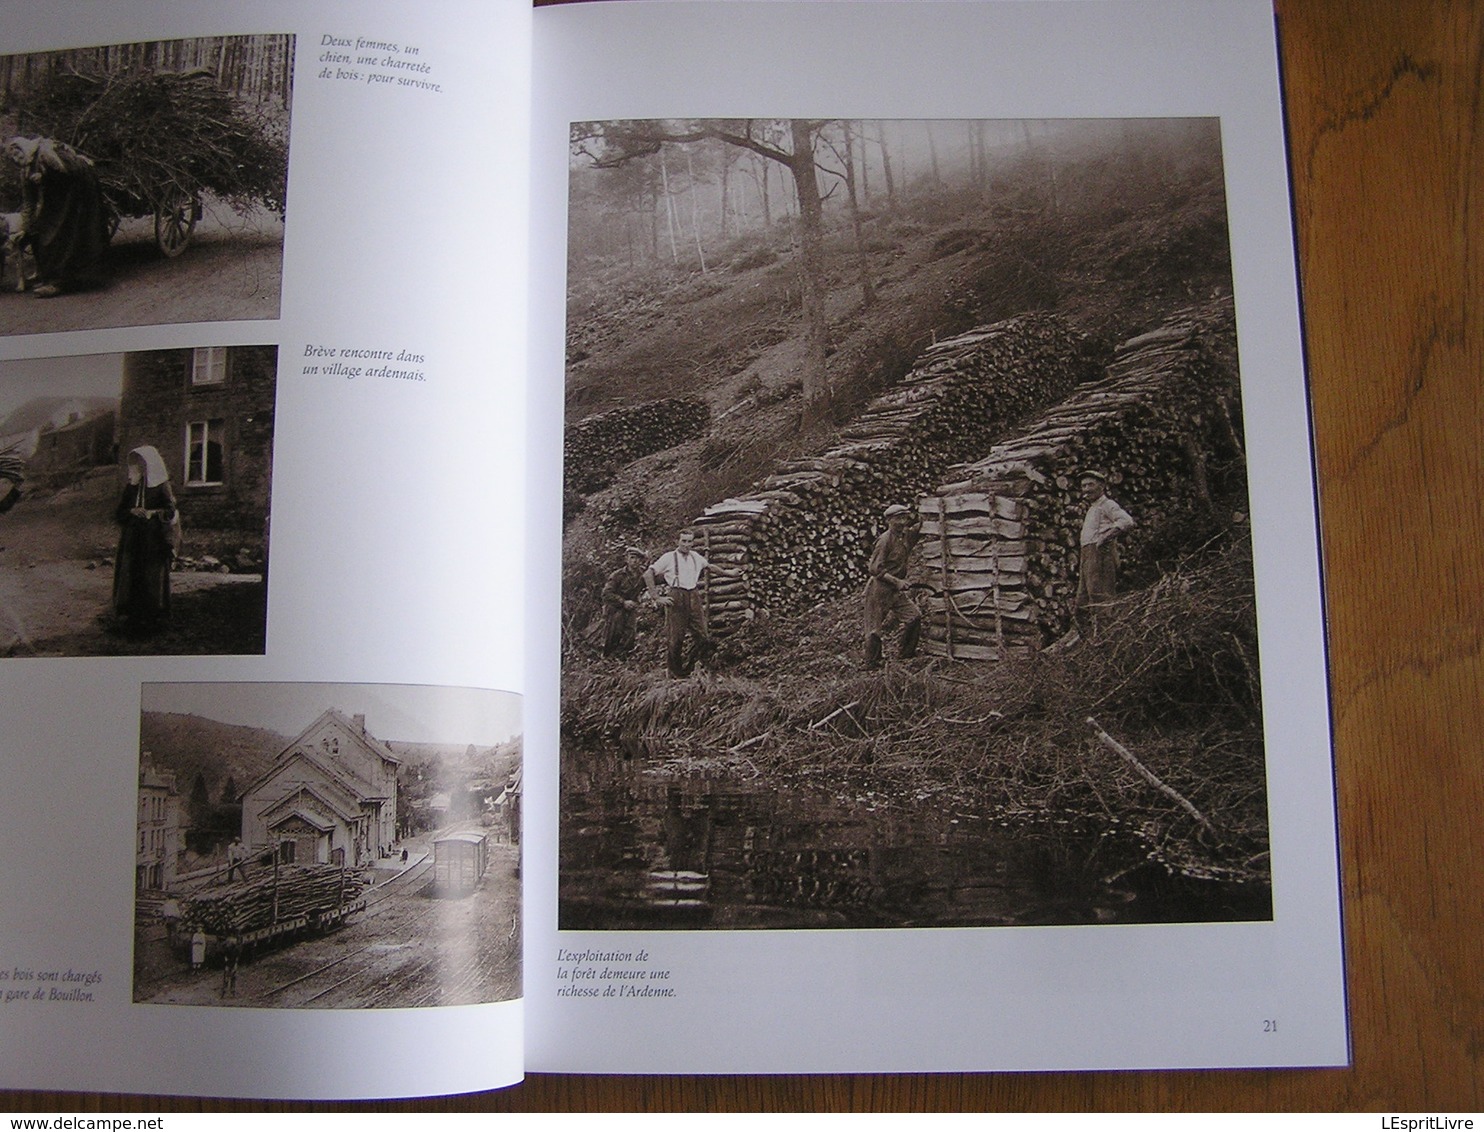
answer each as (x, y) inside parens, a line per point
(293, 902)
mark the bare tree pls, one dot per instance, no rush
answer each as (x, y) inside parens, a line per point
(845, 154)
(891, 189)
(788, 142)
(695, 209)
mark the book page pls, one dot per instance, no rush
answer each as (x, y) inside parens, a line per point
(938, 682)
(261, 413)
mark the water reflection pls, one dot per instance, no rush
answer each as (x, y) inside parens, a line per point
(649, 846)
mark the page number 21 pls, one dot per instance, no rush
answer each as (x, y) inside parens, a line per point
(1270, 1025)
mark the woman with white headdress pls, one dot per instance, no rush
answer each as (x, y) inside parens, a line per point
(147, 523)
(66, 223)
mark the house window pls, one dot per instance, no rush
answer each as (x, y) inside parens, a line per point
(208, 365)
(204, 441)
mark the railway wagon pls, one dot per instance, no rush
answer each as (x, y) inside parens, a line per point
(272, 910)
(459, 860)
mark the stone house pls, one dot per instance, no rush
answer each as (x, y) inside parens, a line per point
(84, 441)
(209, 411)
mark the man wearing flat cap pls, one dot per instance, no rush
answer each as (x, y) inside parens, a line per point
(1097, 577)
(621, 603)
(887, 600)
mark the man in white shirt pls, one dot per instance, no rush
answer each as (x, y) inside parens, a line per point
(685, 606)
(236, 856)
(1097, 579)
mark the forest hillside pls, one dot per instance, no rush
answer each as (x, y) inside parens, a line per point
(720, 339)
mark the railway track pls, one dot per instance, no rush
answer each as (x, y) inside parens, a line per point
(408, 950)
(406, 947)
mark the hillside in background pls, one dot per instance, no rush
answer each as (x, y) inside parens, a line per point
(690, 315)
(41, 411)
(192, 744)
(1113, 226)
(231, 755)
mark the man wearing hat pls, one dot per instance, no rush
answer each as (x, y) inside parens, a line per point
(887, 599)
(1097, 579)
(621, 603)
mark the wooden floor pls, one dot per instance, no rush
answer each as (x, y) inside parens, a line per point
(1384, 115)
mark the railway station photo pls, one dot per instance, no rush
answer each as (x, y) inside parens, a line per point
(327, 846)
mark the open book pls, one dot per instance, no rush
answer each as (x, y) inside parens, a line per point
(915, 664)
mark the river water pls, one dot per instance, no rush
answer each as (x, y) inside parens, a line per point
(645, 845)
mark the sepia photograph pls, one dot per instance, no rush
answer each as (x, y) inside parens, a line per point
(327, 846)
(907, 563)
(144, 183)
(134, 502)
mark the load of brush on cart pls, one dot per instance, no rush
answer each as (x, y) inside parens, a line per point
(162, 140)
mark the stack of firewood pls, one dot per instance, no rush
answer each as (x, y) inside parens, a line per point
(598, 446)
(297, 890)
(805, 532)
(998, 559)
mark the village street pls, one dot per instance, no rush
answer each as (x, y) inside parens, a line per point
(410, 947)
(56, 585)
(55, 608)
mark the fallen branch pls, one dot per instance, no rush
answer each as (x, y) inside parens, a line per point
(1149, 776)
(971, 722)
(837, 711)
(748, 742)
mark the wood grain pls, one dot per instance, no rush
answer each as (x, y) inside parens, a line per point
(1384, 116)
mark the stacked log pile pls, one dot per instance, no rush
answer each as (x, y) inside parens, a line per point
(806, 532)
(999, 552)
(263, 901)
(598, 446)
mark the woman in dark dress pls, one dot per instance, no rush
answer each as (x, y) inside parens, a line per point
(146, 518)
(66, 224)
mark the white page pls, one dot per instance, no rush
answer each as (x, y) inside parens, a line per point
(396, 506)
(1126, 996)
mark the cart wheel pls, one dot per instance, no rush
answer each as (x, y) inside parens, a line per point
(174, 224)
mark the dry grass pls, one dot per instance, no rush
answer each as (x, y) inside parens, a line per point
(1171, 676)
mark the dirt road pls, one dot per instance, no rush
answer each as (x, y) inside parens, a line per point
(231, 270)
(56, 584)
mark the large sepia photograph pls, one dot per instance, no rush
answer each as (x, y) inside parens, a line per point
(135, 493)
(144, 183)
(907, 567)
(331, 846)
